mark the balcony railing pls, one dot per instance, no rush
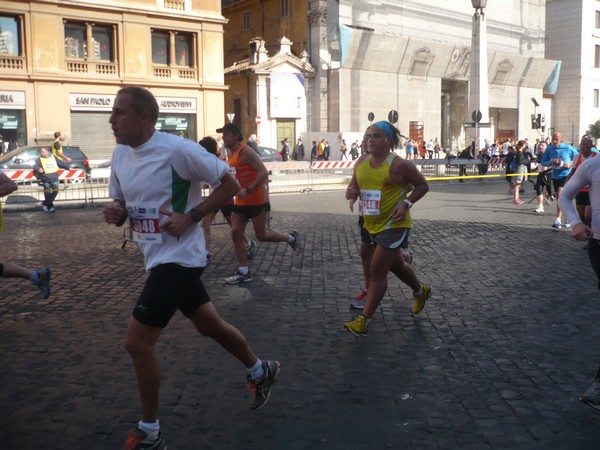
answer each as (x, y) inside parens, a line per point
(12, 62)
(92, 68)
(175, 4)
(186, 73)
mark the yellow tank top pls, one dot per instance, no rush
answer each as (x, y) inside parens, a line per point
(379, 195)
(55, 151)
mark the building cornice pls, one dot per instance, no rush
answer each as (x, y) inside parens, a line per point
(117, 7)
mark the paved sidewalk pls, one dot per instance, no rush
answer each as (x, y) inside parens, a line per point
(495, 361)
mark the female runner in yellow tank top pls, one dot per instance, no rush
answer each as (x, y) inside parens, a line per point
(381, 182)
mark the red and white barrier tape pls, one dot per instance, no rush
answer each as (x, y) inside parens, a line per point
(28, 175)
(333, 164)
(288, 165)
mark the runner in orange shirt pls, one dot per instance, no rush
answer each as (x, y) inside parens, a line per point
(251, 202)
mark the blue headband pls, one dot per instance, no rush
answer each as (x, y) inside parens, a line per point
(385, 127)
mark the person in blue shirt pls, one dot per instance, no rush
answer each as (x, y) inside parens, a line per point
(560, 157)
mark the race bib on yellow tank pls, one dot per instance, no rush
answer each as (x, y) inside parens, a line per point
(144, 220)
(370, 201)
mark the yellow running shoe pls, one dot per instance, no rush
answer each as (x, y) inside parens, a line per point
(358, 327)
(421, 299)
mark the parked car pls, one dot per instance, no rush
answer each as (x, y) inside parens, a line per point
(25, 157)
(268, 154)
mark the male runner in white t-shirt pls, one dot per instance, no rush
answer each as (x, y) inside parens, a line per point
(587, 174)
(156, 182)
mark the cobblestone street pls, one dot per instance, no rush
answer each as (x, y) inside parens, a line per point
(496, 360)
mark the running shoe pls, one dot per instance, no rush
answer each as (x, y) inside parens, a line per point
(43, 281)
(136, 440)
(358, 327)
(250, 249)
(262, 388)
(360, 301)
(592, 395)
(45, 208)
(567, 225)
(52, 209)
(421, 299)
(518, 202)
(539, 209)
(556, 225)
(296, 245)
(239, 277)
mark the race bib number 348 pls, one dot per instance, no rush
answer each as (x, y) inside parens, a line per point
(370, 201)
(144, 220)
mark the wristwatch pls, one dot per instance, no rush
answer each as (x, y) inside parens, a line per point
(408, 203)
(196, 217)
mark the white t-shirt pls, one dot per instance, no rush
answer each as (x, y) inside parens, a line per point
(167, 172)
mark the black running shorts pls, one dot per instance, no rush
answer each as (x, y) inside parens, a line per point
(170, 287)
(558, 183)
(582, 198)
(365, 237)
(251, 211)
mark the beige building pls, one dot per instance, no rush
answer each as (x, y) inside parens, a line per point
(266, 68)
(412, 57)
(62, 62)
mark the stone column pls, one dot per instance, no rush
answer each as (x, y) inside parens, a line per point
(478, 84)
(318, 102)
(263, 130)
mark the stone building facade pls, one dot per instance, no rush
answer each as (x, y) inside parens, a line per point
(573, 37)
(62, 62)
(411, 56)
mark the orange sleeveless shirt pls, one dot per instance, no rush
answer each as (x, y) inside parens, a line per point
(578, 162)
(245, 175)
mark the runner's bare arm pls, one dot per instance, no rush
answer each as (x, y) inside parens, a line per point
(405, 172)
(353, 190)
(115, 212)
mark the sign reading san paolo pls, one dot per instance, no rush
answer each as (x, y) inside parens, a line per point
(91, 102)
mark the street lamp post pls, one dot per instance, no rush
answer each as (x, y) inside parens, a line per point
(478, 84)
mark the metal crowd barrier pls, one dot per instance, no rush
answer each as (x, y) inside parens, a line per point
(284, 177)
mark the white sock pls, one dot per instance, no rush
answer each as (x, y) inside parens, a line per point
(421, 291)
(243, 269)
(34, 277)
(256, 371)
(151, 429)
(291, 239)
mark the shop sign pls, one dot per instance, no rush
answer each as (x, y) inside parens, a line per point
(91, 102)
(176, 104)
(12, 100)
